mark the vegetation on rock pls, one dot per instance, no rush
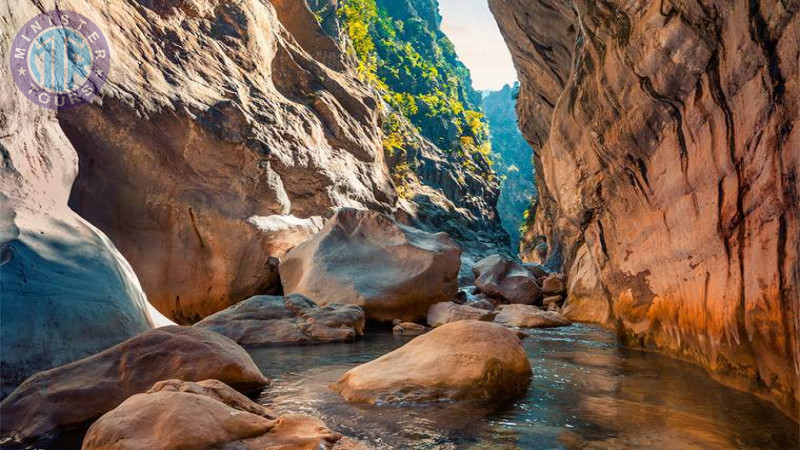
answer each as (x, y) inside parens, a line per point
(402, 52)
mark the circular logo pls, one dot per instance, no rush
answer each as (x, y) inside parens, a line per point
(60, 60)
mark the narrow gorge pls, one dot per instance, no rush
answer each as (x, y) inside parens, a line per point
(337, 224)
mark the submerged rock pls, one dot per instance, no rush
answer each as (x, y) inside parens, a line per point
(294, 319)
(465, 360)
(366, 258)
(409, 328)
(526, 316)
(73, 394)
(176, 415)
(499, 277)
(446, 312)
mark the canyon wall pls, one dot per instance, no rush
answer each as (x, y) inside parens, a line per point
(668, 153)
(227, 131)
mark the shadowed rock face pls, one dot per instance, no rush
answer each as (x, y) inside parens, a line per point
(270, 320)
(65, 290)
(216, 117)
(668, 143)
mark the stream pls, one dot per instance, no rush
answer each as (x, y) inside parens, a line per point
(586, 392)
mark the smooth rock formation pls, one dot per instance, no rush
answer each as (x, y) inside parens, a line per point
(176, 415)
(526, 316)
(482, 303)
(446, 312)
(225, 128)
(466, 360)
(65, 291)
(269, 320)
(73, 394)
(365, 258)
(587, 300)
(499, 277)
(668, 141)
(409, 328)
(554, 284)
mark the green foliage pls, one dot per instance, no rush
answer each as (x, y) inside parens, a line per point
(416, 69)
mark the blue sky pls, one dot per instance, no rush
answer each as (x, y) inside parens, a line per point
(473, 30)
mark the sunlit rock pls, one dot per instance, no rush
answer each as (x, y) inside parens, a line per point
(367, 259)
(73, 394)
(176, 415)
(526, 316)
(465, 360)
(446, 312)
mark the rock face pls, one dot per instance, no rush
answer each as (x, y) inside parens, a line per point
(65, 291)
(446, 312)
(668, 143)
(268, 320)
(219, 117)
(367, 259)
(80, 391)
(176, 415)
(514, 160)
(499, 277)
(466, 360)
(526, 316)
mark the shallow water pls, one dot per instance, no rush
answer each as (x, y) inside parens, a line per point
(587, 392)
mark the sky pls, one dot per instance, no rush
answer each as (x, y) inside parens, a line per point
(473, 30)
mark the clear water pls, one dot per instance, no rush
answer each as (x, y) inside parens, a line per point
(587, 392)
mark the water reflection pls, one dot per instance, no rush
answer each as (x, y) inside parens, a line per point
(586, 392)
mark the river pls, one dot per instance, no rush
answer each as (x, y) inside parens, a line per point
(586, 392)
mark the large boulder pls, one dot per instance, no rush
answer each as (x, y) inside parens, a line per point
(176, 415)
(294, 319)
(466, 360)
(446, 312)
(498, 276)
(366, 258)
(526, 316)
(73, 394)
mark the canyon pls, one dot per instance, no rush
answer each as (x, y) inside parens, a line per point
(272, 198)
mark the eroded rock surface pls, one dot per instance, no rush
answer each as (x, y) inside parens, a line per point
(667, 140)
(466, 360)
(65, 290)
(176, 415)
(270, 320)
(499, 277)
(73, 394)
(365, 258)
(219, 117)
(446, 312)
(527, 316)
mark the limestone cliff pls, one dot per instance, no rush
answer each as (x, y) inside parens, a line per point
(668, 153)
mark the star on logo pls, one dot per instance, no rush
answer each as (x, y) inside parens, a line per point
(22, 71)
(99, 72)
